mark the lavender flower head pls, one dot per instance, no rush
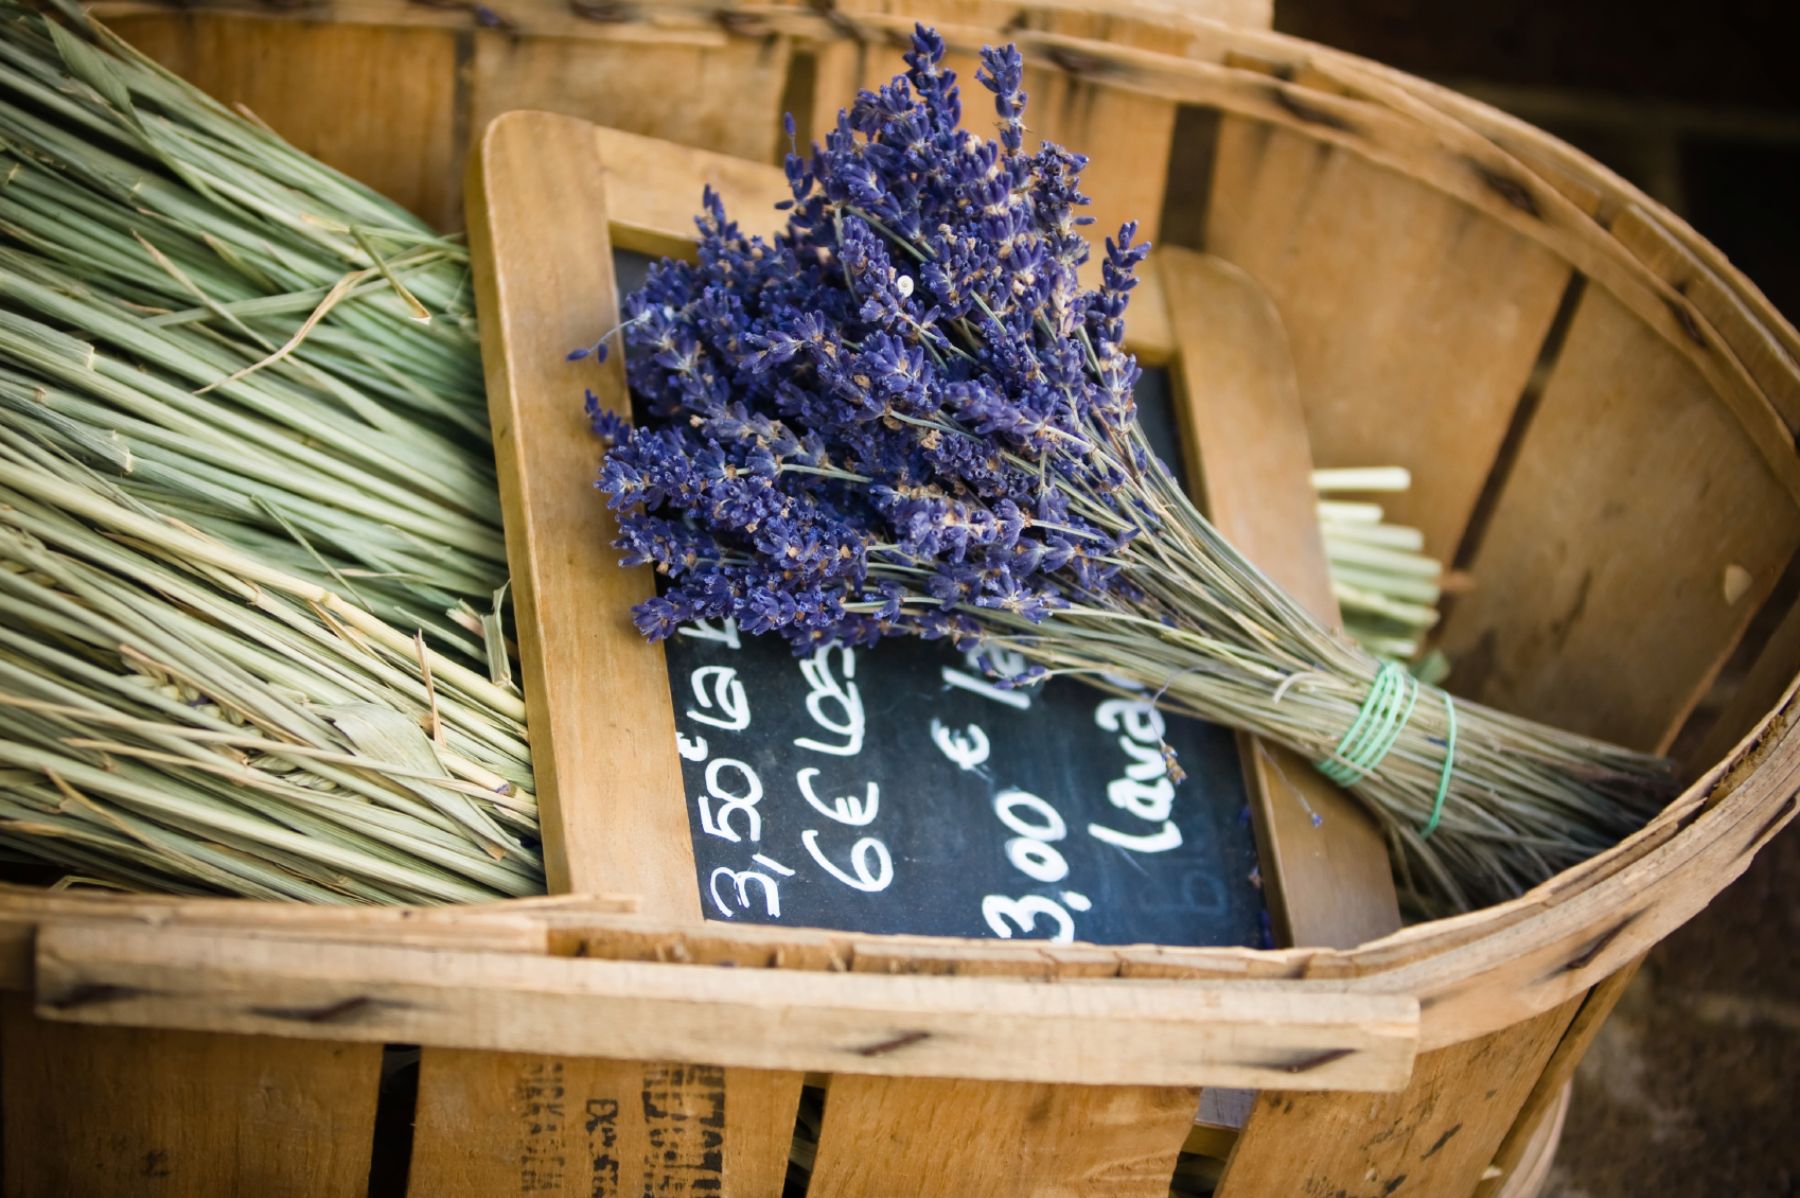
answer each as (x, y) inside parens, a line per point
(904, 413)
(906, 416)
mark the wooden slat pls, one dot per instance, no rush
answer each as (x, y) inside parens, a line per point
(1513, 1158)
(900, 1135)
(1246, 445)
(1777, 665)
(830, 72)
(515, 925)
(18, 933)
(951, 1139)
(598, 706)
(1562, 946)
(1531, 1176)
(597, 695)
(1110, 1032)
(1758, 345)
(1414, 321)
(517, 1123)
(1243, 428)
(1126, 137)
(1147, 332)
(653, 190)
(998, 21)
(1434, 1139)
(1635, 536)
(338, 92)
(124, 1111)
(1614, 198)
(712, 92)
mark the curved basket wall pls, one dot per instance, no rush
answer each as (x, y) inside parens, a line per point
(1600, 416)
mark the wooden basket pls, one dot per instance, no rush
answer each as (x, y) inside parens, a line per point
(1599, 414)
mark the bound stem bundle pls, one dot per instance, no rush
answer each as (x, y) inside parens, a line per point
(1385, 585)
(249, 534)
(907, 416)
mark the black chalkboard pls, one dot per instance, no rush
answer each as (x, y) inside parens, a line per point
(895, 790)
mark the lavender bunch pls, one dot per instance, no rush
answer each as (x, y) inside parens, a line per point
(906, 416)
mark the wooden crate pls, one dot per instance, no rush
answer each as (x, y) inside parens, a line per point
(1599, 414)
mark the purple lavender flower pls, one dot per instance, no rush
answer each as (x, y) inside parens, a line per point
(873, 425)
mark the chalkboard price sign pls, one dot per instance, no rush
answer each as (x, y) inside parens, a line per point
(896, 789)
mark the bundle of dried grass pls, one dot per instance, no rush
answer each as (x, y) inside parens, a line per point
(250, 554)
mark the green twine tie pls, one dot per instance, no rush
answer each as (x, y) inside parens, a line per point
(1437, 804)
(1372, 735)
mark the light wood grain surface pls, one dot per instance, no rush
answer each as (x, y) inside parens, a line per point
(938, 1139)
(1328, 882)
(718, 93)
(1758, 692)
(1397, 300)
(1434, 1138)
(653, 189)
(332, 90)
(125, 1112)
(1103, 1032)
(904, 1135)
(597, 695)
(1584, 612)
(505, 1122)
(1514, 1162)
